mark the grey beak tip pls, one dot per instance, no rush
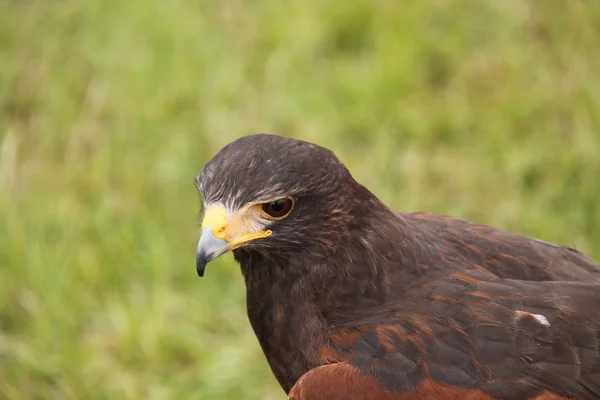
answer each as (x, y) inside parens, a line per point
(209, 248)
(200, 269)
(202, 260)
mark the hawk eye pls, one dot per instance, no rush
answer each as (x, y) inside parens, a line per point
(278, 209)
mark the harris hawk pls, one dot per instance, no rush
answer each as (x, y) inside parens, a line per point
(350, 300)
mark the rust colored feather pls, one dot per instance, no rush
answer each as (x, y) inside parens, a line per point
(343, 381)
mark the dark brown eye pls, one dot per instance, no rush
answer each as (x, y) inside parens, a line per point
(278, 208)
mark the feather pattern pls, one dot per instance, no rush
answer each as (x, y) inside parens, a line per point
(350, 300)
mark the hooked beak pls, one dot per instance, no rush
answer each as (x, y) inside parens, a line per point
(209, 248)
(221, 233)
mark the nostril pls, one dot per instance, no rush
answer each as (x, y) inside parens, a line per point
(220, 232)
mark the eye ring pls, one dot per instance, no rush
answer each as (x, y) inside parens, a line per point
(278, 209)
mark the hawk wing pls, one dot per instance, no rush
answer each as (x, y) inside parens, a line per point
(513, 318)
(464, 338)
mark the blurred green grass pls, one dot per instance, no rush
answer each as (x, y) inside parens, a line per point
(484, 110)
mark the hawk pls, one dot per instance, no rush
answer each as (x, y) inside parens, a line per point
(351, 300)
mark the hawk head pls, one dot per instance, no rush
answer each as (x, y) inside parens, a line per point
(276, 196)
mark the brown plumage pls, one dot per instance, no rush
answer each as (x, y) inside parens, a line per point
(350, 300)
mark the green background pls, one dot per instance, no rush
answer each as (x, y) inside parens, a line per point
(485, 110)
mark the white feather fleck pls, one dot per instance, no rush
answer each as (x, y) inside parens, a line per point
(538, 317)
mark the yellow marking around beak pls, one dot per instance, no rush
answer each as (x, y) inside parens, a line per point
(217, 220)
(215, 217)
(249, 237)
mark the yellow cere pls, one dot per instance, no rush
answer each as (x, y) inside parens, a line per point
(215, 217)
(230, 229)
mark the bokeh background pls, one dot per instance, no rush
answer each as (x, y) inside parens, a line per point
(486, 110)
